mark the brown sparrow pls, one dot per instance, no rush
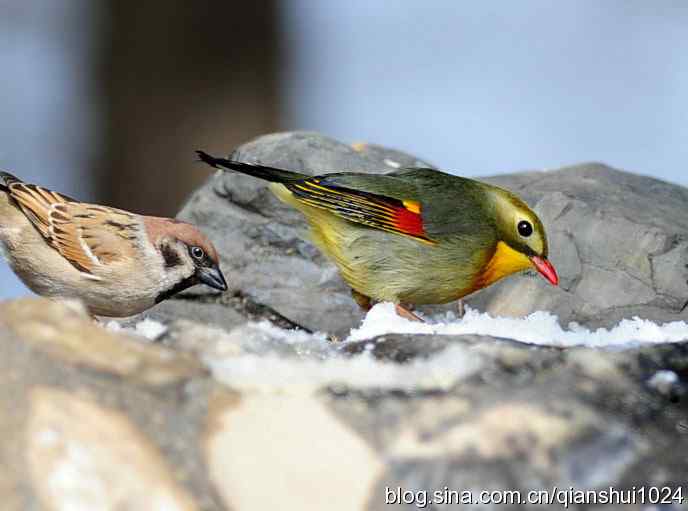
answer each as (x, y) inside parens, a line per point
(118, 263)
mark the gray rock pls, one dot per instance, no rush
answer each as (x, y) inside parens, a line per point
(205, 420)
(95, 418)
(534, 418)
(619, 241)
(210, 313)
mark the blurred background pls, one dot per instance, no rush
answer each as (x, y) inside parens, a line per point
(106, 100)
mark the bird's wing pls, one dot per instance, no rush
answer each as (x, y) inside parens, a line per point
(452, 205)
(86, 235)
(425, 204)
(359, 199)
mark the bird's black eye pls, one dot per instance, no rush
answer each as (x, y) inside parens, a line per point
(525, 228)
(197, 253)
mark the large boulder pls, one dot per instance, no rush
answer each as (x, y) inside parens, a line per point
(618, 240)
(260, 418)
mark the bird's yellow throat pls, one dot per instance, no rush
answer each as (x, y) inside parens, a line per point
(505, 261)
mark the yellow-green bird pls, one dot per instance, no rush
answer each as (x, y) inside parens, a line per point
(413, 236)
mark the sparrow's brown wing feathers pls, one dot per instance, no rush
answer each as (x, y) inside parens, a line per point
(34, 201)
(92, 235)
(88, 236)
(401, 216)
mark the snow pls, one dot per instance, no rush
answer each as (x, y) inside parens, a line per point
(264, 358)
(663, 381)
(147, 328)
(270, 358)
(150, 329)
(663, 377)
(541, 328)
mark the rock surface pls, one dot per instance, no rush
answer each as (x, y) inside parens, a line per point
(221, 413)
(246, 420)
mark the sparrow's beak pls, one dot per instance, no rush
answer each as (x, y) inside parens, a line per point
(212, 277)
(546, 269)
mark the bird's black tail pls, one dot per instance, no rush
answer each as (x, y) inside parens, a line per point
(252, 169)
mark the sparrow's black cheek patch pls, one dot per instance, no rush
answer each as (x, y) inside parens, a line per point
(177, 288)
(170, 256)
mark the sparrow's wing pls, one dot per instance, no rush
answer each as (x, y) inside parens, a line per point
(86, 235)
(422, 203)
(34, 201)
(89, 235)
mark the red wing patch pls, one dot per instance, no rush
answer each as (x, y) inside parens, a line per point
(409, 222)
(378, 211)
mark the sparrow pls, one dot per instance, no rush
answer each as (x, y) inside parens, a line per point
(116, 262)
(413, 236)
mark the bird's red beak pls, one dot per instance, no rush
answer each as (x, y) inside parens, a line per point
(546, 269)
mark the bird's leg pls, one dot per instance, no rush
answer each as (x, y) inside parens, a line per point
(460, 309)
(362, 300)
(365, 303)
(407, 314)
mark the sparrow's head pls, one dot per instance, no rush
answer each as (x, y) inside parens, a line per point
(187, 255)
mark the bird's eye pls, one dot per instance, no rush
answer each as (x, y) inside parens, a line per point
(197, 253)
(525, 228)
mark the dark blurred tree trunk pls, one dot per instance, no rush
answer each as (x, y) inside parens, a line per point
(177, 76)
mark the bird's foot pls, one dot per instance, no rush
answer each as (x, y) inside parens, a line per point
(460, 309)
(407, 314)
(363, 301)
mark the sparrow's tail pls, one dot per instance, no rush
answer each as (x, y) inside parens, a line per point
(252, 169)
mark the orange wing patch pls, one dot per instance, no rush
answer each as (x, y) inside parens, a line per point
(378, 211)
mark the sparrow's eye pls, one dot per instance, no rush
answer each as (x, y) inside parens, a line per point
(197, 253)
(525, 228)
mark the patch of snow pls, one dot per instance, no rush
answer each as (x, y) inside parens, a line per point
(271, 372)
(146, 328)
(541, 328)
(264, 357)
(392, 163)
(113, 326)
(663, 381)
(150, 329)
(313, 362)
